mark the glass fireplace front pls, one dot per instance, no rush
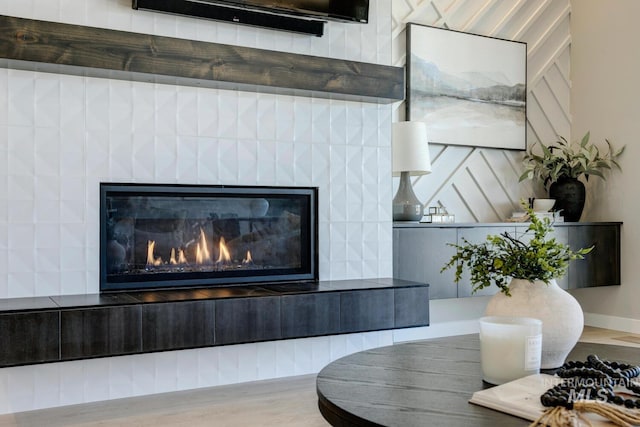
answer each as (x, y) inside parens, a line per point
(170, 236)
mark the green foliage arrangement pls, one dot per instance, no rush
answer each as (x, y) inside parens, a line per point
(503, 257)
(569, 160)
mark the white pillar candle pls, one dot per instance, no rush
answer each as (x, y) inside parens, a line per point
(510, 348)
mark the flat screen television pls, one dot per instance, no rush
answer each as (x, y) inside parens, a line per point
(299, 16)
(342, 10)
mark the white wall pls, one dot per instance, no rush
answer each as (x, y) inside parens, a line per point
(477, 184)
(61, 135)
(604, 99)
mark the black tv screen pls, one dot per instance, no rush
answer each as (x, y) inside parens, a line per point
(345, 10)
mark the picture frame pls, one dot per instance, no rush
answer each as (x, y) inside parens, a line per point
(469, 89)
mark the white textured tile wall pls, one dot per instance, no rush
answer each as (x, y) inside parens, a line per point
(26, 388)
(61, 135)
(109, 130)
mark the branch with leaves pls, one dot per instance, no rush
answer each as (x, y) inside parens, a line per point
(569, 160)
(531, 256)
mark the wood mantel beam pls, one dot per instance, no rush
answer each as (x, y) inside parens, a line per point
(98, 52)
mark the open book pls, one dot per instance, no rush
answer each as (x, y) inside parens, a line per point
(522, 398)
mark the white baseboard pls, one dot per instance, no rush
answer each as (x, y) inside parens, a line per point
(616, 323)
(436, 330)
(462, 327)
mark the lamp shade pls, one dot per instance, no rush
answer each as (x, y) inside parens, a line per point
(410, 148)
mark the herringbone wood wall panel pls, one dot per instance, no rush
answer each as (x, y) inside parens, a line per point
(479, 184)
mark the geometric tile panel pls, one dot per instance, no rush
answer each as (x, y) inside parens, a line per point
(57, 384)
(480, 184)
(61, 135)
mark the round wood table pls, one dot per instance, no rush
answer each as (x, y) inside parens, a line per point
(422, 383)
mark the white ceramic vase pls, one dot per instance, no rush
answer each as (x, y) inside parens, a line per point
(561, 315)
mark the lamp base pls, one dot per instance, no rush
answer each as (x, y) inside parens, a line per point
(406, 206)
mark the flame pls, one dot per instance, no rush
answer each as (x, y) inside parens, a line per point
(198, 255)
(152, 261)
(180, 260)
(202, 252)
(202, 255)
(224, 252)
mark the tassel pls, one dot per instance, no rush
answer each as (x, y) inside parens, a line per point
(562, 417)
(617, 415)
(558, 417)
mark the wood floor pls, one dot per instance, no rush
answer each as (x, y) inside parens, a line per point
(283, 402)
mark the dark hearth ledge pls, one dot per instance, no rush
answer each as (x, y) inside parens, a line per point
(12, 305)
(72, 327)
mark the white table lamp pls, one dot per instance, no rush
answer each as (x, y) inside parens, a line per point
(410, 157)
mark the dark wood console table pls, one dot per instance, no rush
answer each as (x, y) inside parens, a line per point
(423, 383)
(600, 268)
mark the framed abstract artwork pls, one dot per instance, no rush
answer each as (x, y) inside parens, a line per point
(469, 89)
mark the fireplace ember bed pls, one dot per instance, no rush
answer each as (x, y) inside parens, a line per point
(175, 236)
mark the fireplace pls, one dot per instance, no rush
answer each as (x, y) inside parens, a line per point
(173, 236)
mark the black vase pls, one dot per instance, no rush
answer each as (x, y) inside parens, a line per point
(570, 196)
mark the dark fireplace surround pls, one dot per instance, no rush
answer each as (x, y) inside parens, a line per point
(155, 236)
